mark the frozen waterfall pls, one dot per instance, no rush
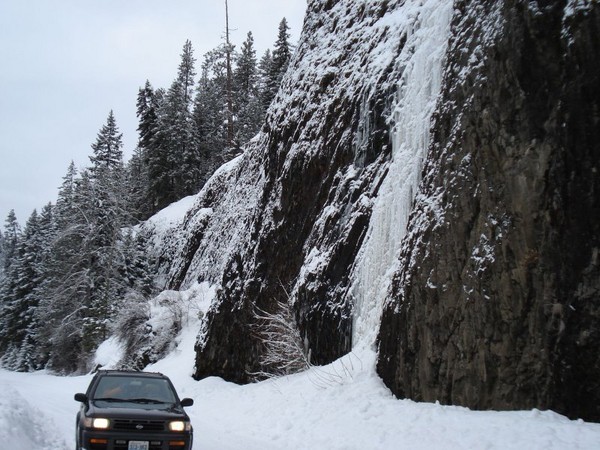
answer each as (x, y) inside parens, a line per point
(427, 26)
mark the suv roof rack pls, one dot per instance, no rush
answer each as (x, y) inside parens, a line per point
(128, 372)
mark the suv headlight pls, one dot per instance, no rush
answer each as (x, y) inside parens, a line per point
(99, 423)
(179, 425)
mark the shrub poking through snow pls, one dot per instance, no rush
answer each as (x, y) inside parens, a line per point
(148, 329)
(283, 348)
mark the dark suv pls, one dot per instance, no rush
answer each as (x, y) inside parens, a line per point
(124, 410)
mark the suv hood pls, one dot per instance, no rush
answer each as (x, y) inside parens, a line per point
(139, 410)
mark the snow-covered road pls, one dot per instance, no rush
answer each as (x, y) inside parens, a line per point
(340, 406)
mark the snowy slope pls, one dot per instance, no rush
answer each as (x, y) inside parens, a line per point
(340, 406)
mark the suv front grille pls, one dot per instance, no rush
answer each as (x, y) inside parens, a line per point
(139, 425)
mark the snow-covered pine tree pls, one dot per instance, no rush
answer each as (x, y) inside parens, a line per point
(19, 318)
(154, 143)
(108, 148)
(188, 153)
(134, 266)
(210, 113)
(137, 185)
(174, 146)
(282, 51)
(282, 54)
(12, 238)
(264, 70)
(146, 114)
(185, 160)
(186, 72)
(108, 214)
(12, 233)
(36, 337)
(2, 255)
(245, 74)
(249, 111)
(62, 305)
(140, 196)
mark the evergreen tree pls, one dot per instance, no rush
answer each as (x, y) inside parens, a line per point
(249, 112)
(174, 158)
(245, 75)
(281, 56)
(210, 113)
(108, 214)
(155, 151)
(186, 159)
(9, 280)
(135, 269)
(19, 316)
(12, 233)
(186, 72)
(146, 113)
(282, 51)
(43, 290)
(2, 255)
(137, 185)
(108, 148)
(63, 306)
(264, 72)
(142, 189)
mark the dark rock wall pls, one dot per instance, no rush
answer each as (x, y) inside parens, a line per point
(497, 300)
(323, 148)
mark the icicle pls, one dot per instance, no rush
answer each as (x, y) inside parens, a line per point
(422, 58)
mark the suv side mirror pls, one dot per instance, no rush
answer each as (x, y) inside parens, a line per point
(81, 398)
(187, 402)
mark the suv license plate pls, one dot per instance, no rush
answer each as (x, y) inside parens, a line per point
(138, 445)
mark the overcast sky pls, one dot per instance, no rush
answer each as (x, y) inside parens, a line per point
(64, 64)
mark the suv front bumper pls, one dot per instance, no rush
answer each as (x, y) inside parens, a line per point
(113, 440)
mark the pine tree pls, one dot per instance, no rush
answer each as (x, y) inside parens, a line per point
(210, 113)
(108, 148)
(281, 56)
(64, 305)
(186, 159)
(186, 72)
(134, 267)
(174, 157)
(154, 144)
(245, 75)
(249, 112)
(282, 51)
(9, 281)
(2, 256)
(264, 72)
(108, 214)
(19, 316)
(137, 184)
(12, 233)
(147, 110)
(35, 334)
(144, 190)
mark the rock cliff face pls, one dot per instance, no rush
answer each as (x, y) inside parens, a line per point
(492, 289)
(319, 158)
(496, 303)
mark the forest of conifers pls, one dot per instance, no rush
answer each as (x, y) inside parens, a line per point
(72, 266)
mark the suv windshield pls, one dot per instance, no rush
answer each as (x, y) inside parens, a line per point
(133, 389)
